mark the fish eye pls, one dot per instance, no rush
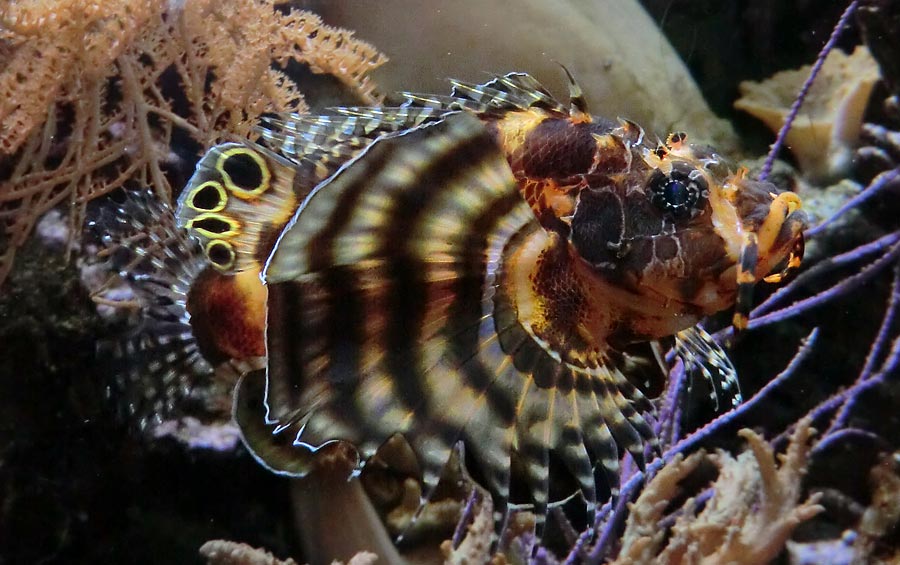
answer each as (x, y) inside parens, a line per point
(677, 193)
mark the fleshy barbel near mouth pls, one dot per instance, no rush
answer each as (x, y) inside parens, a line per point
(778, 241)
(790, 244)
(780, 235)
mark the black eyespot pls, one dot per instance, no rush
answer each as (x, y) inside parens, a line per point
(220, 253)
(677, 193)
(207, 197)
(244, 171)
(212, 225)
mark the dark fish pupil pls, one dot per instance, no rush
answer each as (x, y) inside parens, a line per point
(676, 193)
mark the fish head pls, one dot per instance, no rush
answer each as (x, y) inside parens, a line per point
(679, 235)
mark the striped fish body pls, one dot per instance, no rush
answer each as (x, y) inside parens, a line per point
(470, 269)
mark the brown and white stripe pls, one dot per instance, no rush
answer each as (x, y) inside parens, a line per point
(388, 313)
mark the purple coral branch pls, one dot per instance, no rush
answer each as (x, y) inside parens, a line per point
(846, 399)
(892, 363)
(542, 557)
(840, 289)
(577, 552)
(618, 513)
(878, 344)
(611, 518)
(692, 441)
(831, 404)
(804, 90)
(465, 519)
(699, 501)
(851, 434)
(668, 426)
(840, 399)
(825, 266)
(886, 323)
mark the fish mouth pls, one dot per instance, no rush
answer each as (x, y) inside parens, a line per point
(778, 241)
(789, 244)
(777, 237)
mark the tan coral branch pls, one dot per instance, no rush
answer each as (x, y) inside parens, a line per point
(643, 537)
(84, 105)
(754, 509)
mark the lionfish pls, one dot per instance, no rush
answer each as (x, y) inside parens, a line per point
(473, 269)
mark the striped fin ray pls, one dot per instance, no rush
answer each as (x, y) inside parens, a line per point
(396, 118)
(411, 305)
(387, 314)
(513, 91)
(314, 139)
(443, 103)
(326, 142)
(578, 108)
(699, 352)
(155, 365)
(618, 398)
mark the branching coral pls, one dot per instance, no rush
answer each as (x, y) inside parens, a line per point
(751, 510)
(883, 514)
(222, 552)
(475, 545)
(93, 93)
(643, 538)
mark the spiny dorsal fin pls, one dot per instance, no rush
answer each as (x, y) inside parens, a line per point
(578, 107)
(328, 141)
(514, 91)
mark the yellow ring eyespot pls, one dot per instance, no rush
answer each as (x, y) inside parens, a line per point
(214, 226)
(208, 197)
(220, 254)
(244, 172)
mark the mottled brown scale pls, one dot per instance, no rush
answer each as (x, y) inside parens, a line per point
(554, 157)
(563, 314)
(588, 176)
(556, 148)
